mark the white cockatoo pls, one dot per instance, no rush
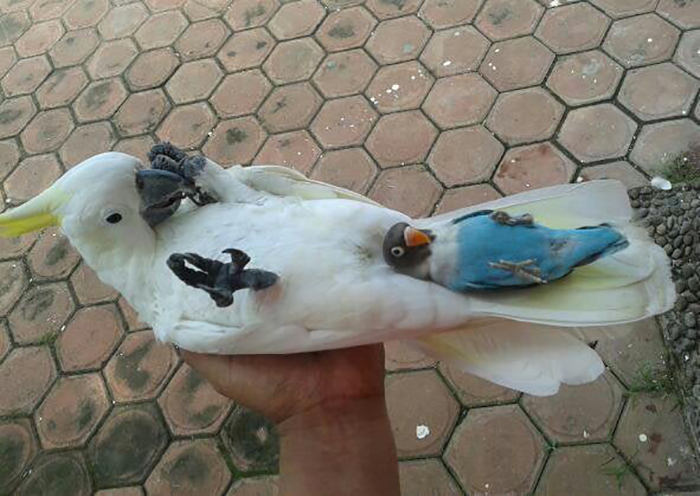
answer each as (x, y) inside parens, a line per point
(318, 278)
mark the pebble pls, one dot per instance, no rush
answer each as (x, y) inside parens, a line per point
(681, 285)
(697, 249)
(660, 240)
(694, 307)
(668, 249)
(661, 229)
(687, 251)
(677, 253)
(681, 303)
(674, 332)
(687, 271)
(695, 203)
(690, 296)
(635, 204)
(687, 239)
(634, 193)
(643, 212)
(689, 319)
(677, 242)
(670, 222)
(694, 284)
(685, 227)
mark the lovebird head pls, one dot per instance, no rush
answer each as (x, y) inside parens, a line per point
(406, 247)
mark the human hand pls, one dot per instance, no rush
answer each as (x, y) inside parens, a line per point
(284, 386)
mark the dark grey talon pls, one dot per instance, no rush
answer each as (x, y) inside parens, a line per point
(166, 149)
(220, 280)
(507, 220)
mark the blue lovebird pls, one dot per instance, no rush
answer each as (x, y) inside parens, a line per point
(490, 249)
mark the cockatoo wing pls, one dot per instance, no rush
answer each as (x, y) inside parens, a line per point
(286, 182)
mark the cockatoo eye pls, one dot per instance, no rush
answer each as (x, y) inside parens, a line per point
(398, 251)
(114, 218)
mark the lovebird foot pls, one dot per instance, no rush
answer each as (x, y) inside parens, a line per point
(165, 156)
(220, 280)
(508, 220)
(526, 270)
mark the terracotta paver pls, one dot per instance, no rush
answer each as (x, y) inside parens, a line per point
(427, 106)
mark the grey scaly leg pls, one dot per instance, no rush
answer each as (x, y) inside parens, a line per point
(526, 270)
(507, 220)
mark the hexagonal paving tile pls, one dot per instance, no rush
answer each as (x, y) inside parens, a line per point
(573, 28)
(5, 342)
(127, 445)
(531, 167)
(39, 38)
(194, 81)
(399, 87)
(18, 447)
(41, 313)
(71, 411)
(61, 473)
(26, 76)
(625, 8)
(399, 355)
(581, 414)
(246, 14)
(47, 131)
(86, 141)
(403, 138)
(26, 374)
(252, 441)
(140, 367)
(246, 49)
(202, 39)
(422, 412)
(188, 467)
(9, 157)
(620, 171)
(454, 51)
(503, 19)
(459, 100)
(398, 40)
(585, 78)
(598, 132)
(122, 491)
(241, 93)
(640, 92)
(466, 196)
(74, 48)
(12, 26)
(344, 73)
(651, 433)
(659, 144)
(466, 155)
(290, 107)
(513, 64)
(641, 40)
(160, 5)
(142, 112)
(161, 30)
(122, 21)
(137, 147)
(484, 439)
(8, 57)
(296, 19)
(297, 150)
(14, 281)
(52, 257)
(32, 176)
(411, 190)
(685, 15)
(688, 52)
(351, 169)
(85, 13)
(151, 69)
(293, 61)
(254, 486)
(235, 141)
(387, 9)
(88, 287)
(61, 87)
(447, 13)
(15, 113)
(112, 58)
(573, 467)
(187, 126)
(420, 477)
(524, 116)
(131, 316)
(343, 122)
(89, 339)
(191, 406)
(473, 391)
(345, 29)
(100, 100)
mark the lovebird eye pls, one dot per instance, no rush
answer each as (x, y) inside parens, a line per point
(397, 251)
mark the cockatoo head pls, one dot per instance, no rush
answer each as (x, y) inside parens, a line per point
(104, 205)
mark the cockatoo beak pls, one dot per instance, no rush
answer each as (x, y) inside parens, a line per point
(415, 237)
(37, 213)
(161, 192)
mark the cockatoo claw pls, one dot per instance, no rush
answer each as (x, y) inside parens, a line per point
(165, 156)
(220, 280)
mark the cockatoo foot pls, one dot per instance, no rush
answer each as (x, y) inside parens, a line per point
(508, 220)
(165, 156)
(220, 280)
(526, 270)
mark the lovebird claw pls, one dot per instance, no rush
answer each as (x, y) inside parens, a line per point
(507, 220)
(526, 270)
(220, 280)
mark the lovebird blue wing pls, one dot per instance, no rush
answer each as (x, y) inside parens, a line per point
(491, 250)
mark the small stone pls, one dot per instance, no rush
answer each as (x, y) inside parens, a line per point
(681, 304)
(692, 334)
(674, 332)
(697, 249)
(634, 203)
(677, 242)
(643, 212)
(660, 240)
(681, 285)
(687, 251)
(687, 271)
(689, 296)
(668, 249)
(634, 193)
(687, 239)
(689, 319)
(695, 203)
(694, 283)
(661, 229)
(694, 307)
(677, 253)
(670, 222)
(696, 391)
